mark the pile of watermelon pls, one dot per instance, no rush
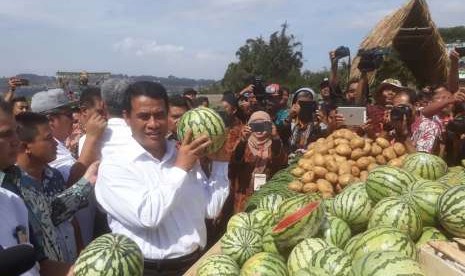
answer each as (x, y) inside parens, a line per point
(371, 228)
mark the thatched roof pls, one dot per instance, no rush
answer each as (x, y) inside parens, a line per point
(412, 33)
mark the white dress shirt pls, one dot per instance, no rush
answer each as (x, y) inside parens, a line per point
(13, 213)
(116, 134)
(161, 207)
(64, 160)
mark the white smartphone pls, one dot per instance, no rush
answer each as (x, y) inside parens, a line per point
(353, 115)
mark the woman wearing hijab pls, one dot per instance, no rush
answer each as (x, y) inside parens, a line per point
(259, 152)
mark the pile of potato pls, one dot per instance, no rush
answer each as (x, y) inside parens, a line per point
(330, 164)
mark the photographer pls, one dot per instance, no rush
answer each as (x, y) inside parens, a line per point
(455, 136)
(353, 90)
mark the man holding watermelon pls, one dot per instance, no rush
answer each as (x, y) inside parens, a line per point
(156, 194)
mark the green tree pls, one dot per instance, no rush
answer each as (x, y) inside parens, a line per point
(451, 35)
(278, 60)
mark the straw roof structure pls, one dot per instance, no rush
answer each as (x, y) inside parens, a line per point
(412, 33)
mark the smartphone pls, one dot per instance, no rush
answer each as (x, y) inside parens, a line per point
(261, 127)
(353, 115)
(307, 111)
(461, 51)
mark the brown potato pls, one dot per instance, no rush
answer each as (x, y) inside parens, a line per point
(295, 186)
(345, 179)
(366, 149)
(363, 175)
(331, 166)
(355, 171)
(396, 162)
(308, 165)
(343, 150)
(356, 154)
(389, 153)
(308, 177)
(340, 141)
(326, 195)
(348, 135)
(331, 151)
(399, 149)
(310, 188)
(323, 149)
(372, 166)
(338, 134)
(324, 186)
(351, 162)
(376, 150)
(330, 144)
(382, 142)
(311, 146)
(371, 159)
(403, 157)
(368, 140)
(328, 158)
(320, 172)
(381, 160)
(297, 172)
(357, 142)
(331, 177)
(344, 168)
(301, 162)
(339, 159)
(309, 153)
(363, 162)
(321, 140)
(318, 159)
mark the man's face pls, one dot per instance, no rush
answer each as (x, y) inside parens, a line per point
(148, 120)
(325, 92)
(191, 96)
(284, 98)
(442, 95)
(230, 110)
(97, 108)
(8, 141)
(174, 114)
(388, 95)
(61, 124)
(20, 107)
(351, 92)
(44, 148)
(401, 99)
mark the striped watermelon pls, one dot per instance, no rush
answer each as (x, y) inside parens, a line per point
(218, 265)
(333, 260)
(297, 226)
(311, 271)
(353, 206)
(271, 202)
(398, 213)
(268, 243)
(430, 234)
(451, 211)
(453, 178)
(386, 263)
(262, 219)
(350, 245)
(291, 205)
(425, 194)
(384, 181)
(328, 205)
(425, 165)
(302, 254)
(241, 244)
(384, 239)
(241, 220)
(203, 120)
(264, 264)
(110, 254)
(335, 231)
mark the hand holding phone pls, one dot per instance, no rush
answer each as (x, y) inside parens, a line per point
(261, 126)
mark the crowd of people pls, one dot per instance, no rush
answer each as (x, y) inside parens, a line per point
(111, 161)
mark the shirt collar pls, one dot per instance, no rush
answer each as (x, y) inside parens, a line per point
(117, 122)
(134, 151)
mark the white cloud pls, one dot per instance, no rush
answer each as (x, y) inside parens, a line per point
(144, 47)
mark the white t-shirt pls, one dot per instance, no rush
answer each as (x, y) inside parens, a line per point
(13, 213)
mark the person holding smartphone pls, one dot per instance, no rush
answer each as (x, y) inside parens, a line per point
(259, 154)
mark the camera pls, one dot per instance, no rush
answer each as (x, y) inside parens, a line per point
(341, 52)
(307, 110)
(258, 88)
(371, 59)
(400, 112)
(457, 125)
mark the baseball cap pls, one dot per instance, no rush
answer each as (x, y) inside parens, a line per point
(46, 101)
(391, 82)
(272, 88)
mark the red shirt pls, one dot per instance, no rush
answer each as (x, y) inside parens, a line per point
(376, 114)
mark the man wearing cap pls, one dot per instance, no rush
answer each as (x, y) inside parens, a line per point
(383, 100)
(55, 104)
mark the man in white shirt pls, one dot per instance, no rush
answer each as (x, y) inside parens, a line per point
(156, 194)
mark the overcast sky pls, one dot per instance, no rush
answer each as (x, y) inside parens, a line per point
(195, 38)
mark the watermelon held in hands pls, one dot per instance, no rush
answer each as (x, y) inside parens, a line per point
(264, 264)
(386, 263)
(451, 211)
(203, 120)
(218, 265)
(293, 228)
(110, 254)
(425, 165)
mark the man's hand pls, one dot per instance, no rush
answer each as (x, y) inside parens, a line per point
(190, 151)
(294, 111)
(459, 96)
(454, 56)
(96, 126)
(13, 83)
(92, 172)
(248, 89)
(245, 133)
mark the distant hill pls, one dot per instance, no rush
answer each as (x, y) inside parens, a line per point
(172, 84)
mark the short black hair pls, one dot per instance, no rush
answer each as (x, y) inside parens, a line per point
(89, 96)
(200, 100)
(26, 125)
(438, 86)
(18, 99)
(178, 101)
(144, 88)
(189, 91)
